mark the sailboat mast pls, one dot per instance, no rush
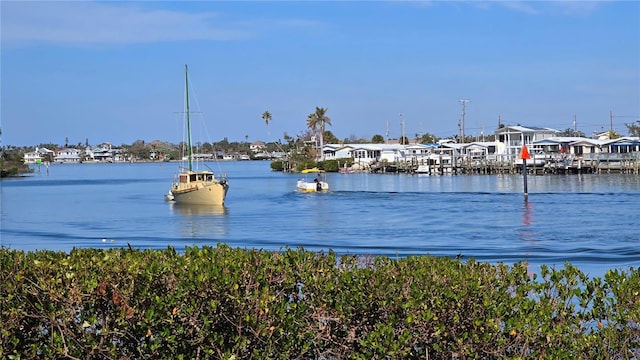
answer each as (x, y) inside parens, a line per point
(189, 151)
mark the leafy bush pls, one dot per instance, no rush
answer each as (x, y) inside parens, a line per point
(307, 164)
(12, 163)
(231, 303)
(334, 165)
(277, 165)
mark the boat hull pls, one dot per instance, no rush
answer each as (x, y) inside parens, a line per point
(424, 169)
(201, 194)
(313, 186)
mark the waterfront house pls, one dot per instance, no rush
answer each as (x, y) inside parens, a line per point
(336, 151)
(68, 155)
(479, 150)
(119, 155)
(582, 147)
(392, 152)
(257, 146)
(32, 157)
(510, 139)
(38, 156)
(366, 153)
(103, 152)
(279, 155)
(567, 145)
(623, 145)
(418, 153)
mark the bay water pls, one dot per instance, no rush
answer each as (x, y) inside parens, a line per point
(591, 221)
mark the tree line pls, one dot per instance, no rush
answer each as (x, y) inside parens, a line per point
(306, 144)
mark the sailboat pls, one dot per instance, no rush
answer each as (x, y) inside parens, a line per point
(196, 187)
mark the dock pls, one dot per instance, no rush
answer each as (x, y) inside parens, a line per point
(603, 164)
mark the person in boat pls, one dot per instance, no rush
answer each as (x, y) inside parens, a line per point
(318, 184)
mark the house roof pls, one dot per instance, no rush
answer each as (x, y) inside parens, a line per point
(595, 142)
(481, 144)
(520, 128)
(372, 147)
(44, 151)
(560, 140)
(418, 146)
(453, 145)
(625, 140)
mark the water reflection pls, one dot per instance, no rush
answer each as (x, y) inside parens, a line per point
(526, 216)
(204, 222)
(526, 233)
(198, 210)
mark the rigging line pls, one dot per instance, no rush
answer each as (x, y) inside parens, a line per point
(194, 97)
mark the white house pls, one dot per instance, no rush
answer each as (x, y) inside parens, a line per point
(418, 152)
(103, 152)
(583, 146)
(336, 151)
(622, 145)
(37, 156)
(68, 155)
(257, 146)
(479, 149)
(366, 153)
(510, 139)
(32, 157)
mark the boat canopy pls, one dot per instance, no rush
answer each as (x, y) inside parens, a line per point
(312, 170)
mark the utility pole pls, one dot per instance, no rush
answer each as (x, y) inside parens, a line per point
(575, 127)
(610, 122)
(402, 129)
(463, 102)
(387, 132)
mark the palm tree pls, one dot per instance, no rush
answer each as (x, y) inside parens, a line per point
(312, 124)
(317, 121)
(266, 116)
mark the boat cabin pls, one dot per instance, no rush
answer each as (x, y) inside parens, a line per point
(190, 177)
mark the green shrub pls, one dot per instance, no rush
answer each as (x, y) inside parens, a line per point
(326, 165)
(334, 165)
(308, 164)
(277, 165)
(231, 303)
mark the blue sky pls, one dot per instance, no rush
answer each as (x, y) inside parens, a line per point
(113, 71)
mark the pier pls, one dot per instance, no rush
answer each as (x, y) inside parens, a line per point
(628, 163)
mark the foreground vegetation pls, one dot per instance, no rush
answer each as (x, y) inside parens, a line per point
(12, 164)
(231, 303)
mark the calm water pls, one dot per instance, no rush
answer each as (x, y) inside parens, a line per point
(590, 220)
